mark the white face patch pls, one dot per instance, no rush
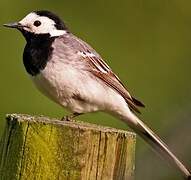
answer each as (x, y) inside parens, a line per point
(47, 25)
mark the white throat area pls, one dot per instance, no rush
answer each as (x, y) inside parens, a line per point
(47, 25)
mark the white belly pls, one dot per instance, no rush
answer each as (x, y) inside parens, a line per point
(77, 90)
(65, 86)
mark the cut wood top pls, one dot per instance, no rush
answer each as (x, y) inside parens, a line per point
(73, 124)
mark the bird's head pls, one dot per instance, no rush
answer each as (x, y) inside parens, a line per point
(40, 23)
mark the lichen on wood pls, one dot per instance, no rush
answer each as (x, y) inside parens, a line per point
(43, 148)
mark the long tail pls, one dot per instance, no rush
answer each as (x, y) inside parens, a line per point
(157, 144)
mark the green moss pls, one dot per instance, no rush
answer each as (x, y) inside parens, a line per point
(39, 148)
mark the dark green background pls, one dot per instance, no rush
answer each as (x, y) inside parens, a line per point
(147, 43)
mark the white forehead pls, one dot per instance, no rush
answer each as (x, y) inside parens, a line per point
(47, 25)
(30, 18)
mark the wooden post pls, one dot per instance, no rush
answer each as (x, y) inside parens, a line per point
(39, 148)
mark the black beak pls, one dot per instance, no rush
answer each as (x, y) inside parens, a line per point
(14, 25)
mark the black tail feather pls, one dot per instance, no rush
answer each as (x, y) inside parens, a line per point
(137, 102)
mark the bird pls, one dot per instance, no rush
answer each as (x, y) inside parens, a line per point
(71, 73)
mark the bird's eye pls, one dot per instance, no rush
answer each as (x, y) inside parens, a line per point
(37, 23)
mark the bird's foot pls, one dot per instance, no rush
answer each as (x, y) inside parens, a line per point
(70, 117)
(67, 118)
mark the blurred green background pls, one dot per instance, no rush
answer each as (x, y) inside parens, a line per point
(147, 43)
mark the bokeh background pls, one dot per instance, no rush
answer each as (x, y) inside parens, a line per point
(146, 42)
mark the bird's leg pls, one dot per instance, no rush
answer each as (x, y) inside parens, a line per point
(70, 117)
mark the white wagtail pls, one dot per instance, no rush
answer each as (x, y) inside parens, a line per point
(73, 74)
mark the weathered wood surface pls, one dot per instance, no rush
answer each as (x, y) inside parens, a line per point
(39, 148)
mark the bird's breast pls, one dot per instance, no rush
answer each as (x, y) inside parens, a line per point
(66, 86)
(52, 82)
(75, 88)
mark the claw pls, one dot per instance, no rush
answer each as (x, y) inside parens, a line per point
(66, 118)
(70, 117)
